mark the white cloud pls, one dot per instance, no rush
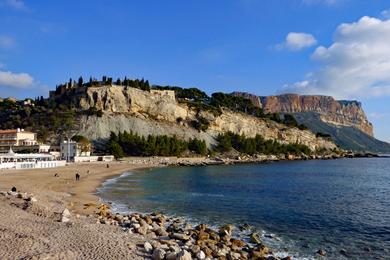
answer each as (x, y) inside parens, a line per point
(386, 14)
(16, 4)
(328, 2)
(15, 80)
(356, 65)
(296, 41)
(6, 41)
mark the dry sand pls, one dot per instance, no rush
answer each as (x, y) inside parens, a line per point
(33, 230)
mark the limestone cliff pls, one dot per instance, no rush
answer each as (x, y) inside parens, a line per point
(158, 113)
(339, 113)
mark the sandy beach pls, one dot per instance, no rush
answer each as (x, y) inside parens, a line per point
(34, 231)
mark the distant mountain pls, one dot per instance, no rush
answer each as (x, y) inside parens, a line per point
(345, 121)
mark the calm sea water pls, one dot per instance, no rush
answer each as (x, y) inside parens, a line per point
(341, 206)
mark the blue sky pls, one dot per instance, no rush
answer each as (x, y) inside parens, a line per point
(260, 46)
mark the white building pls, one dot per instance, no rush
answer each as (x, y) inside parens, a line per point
(70, 150)
(13, 160)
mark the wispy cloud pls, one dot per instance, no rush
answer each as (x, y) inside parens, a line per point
(15, 4)
(356, 65)
(327, 2)
(386, 14)
(16, 80)
(6, 42)
(296, 41)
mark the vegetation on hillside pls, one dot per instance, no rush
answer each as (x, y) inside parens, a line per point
(130, 144)
(39, 115)
(257, 145)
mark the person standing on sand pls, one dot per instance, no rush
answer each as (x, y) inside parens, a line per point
(77, 176)
(108, 166)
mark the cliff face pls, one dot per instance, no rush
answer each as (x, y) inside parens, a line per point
(157, 113)
(339, 113)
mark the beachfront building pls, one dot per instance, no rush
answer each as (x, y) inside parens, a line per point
(70, 150)
(81, 152)
(17, 137)
(21, 141)
(12, 160)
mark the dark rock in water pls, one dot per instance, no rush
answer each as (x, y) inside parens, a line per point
(254, 238)
(367, 249)
(343, 252)
(321, 252)
(286, 258)
(227, 229)
(244, 227)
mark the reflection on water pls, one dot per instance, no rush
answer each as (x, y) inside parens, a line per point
(334, 205)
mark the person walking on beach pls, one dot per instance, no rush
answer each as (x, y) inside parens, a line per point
(77, 176)
(108, 166)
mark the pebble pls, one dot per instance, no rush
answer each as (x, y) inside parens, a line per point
(201, 255)
(184, 255)
(148, 247)
(158, 254)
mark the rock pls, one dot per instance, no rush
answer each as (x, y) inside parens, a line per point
(180, 236)
(66, 213)
(148, 220)
(148, 247)
(201, 255)
(235, 256)
(171, 256)
(343, 252)
(64, 219)
(32, 199)
(321, 252)
(287, 258)
(201, 227)
(136, 225)
(203, 235)
(161, 232)
(254, 238)
(155, 244)
(195, 249)
(237, 242)
(184, 255)
(244, 227)
(132, 247)
(142, 222)
(118, 218)
(142, 230)
(227, 229)
(12, 193)
(158, 254)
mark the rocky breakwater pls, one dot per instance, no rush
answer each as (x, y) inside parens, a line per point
(175, 239)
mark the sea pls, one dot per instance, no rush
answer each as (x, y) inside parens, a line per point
(340, 206)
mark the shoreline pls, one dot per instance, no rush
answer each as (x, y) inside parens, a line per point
(66, 210)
